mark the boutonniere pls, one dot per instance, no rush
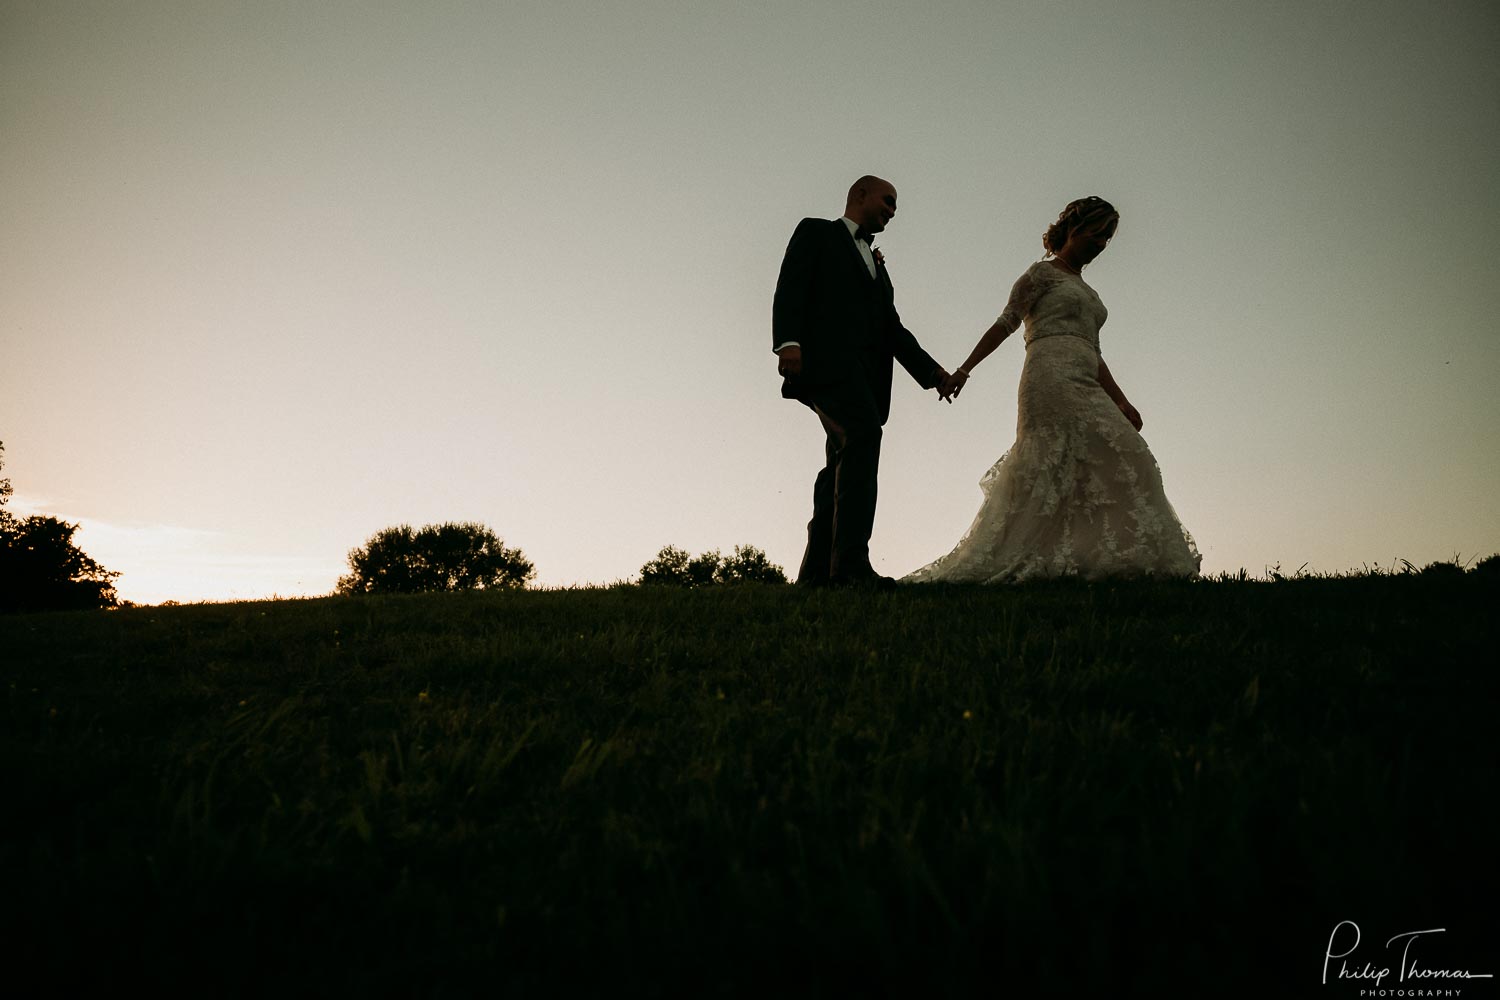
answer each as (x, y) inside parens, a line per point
(879, 257)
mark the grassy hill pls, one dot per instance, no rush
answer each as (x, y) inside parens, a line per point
(1124, 788)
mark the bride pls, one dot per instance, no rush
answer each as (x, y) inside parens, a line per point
(1078, 494)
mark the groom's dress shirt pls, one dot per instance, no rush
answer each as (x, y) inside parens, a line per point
(862, 245)
(864, 251)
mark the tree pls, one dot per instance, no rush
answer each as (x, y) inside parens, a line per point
(749, 565)
(673, 567)
(669, 568)
(40, 567)
(439, 557)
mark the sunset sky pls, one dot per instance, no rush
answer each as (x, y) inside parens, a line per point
(275, 276)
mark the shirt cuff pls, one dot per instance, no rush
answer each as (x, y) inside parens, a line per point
(790, 343)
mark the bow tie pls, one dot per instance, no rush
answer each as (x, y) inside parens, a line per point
(864, 234)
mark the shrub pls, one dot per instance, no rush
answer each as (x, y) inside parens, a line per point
(439, 557)
(749, 565)
(674, 567)
(1488, 566)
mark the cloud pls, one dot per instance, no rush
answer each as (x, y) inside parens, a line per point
(160, 562)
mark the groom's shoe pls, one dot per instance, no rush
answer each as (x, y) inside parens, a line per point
(866, 579)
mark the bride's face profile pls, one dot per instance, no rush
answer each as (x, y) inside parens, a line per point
(1089, 240)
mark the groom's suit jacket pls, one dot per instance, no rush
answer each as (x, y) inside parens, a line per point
(845, 321)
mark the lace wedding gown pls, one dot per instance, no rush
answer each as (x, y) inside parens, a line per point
(1079, 493)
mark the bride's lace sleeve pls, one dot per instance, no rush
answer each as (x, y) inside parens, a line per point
(1022, 295)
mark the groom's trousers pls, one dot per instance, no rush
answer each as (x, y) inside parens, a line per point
(838, 536)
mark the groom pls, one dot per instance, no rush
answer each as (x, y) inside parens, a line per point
(835, 332)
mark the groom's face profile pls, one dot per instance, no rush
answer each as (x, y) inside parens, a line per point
(873, 205)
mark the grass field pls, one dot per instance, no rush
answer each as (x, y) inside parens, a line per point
(1121, 789)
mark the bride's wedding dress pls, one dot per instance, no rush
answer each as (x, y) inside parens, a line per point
(1079, 493)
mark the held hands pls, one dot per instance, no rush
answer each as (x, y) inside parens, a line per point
(789, 361)
(949, 386)
(944, 393)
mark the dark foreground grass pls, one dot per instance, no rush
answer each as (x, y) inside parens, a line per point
(1176, 789)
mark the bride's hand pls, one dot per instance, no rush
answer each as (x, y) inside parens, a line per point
(956, 382)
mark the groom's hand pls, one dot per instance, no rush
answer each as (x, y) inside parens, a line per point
(789, 361)
(947, 386)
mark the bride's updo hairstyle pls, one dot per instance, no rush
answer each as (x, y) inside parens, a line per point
(1078, 213)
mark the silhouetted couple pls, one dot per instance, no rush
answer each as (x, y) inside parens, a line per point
(1078, 494)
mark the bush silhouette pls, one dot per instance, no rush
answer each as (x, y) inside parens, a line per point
(674, 567)
(40, 567)
(1442, 569)
(749, 565)
(439, 557)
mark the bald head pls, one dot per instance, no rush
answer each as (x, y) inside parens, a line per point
(871, 203)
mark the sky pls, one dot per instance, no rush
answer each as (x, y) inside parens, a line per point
(276, 276)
